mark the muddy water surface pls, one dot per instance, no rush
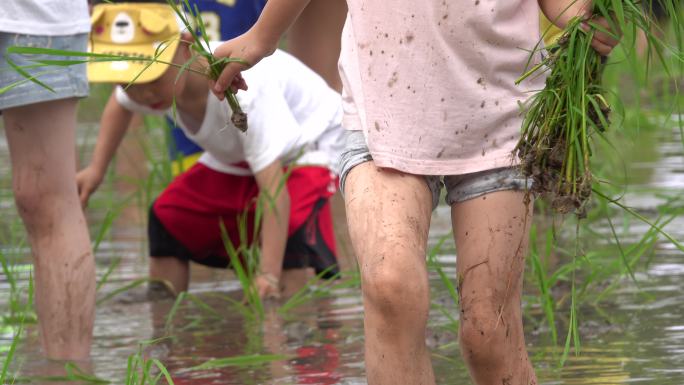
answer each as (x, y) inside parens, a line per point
(634, 335)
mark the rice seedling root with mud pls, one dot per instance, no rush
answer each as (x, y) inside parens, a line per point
(554, 148)
(563, 119)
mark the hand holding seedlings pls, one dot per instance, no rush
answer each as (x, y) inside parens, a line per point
(602, 41)
(193, 23)
(248, 47)
(562, 16)
(562, 118)
(257, 43)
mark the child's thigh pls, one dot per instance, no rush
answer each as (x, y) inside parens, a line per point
(41, 139)
(491, 233)
(388, 213)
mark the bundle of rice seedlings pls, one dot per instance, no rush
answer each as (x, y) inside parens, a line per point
(562, 119)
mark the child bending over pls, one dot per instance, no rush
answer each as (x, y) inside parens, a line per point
(294, 124)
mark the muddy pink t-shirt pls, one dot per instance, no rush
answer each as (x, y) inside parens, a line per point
(432, 82)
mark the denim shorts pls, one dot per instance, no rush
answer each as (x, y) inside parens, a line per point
(459, 188)
(65, 81)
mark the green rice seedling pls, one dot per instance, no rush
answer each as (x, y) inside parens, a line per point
(445, 358)
(141, 370)
(562, 119)
(152, 141)
(435, 265)
(244, 259)
(72, 374)
(317, 287)
(543, 281)
(208, 309)
(448, 283)
(239, 306)
(174, 309)
(103, 230)
(105, 277)
(28, 78)
(20, 304)
(180, 299)
(446, 308)
(587, 272)
(573, 332)
(14, 294)
(244, 274)
(633, 254)
(124, 288)
(5, 376)
(591, 275)
(239, 361)
(653, 224)
(105, 226)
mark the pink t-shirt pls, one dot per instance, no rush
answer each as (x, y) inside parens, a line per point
(431, 82)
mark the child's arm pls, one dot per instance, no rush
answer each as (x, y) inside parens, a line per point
(561, 12)
(276, 217)
(260, 41)
(113, 125)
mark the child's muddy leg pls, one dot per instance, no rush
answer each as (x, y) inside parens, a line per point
(172, 271)
(491, 234)
(389, 214)
(41, 139)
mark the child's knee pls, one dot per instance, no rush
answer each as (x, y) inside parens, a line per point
(394, 291)
(35, 209)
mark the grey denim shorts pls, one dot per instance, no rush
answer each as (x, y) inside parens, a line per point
(66, 82)
(459, 188)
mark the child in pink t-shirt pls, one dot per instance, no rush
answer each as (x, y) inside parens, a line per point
(430, 100)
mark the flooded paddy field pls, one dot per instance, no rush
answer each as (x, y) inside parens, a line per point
(631, 326)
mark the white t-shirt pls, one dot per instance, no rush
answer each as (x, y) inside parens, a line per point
(292, 116)
(44, 17)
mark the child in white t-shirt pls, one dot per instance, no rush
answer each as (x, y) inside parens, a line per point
(294, 123)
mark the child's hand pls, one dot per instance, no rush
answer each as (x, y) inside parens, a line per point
(87, 181)
(602, 42)
(267, 286)
(562, 12)
(246, 47)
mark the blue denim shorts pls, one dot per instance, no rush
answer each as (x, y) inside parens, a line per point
(459, 188)
(66, 82)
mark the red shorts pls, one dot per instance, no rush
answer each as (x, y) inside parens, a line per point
(185, 218)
